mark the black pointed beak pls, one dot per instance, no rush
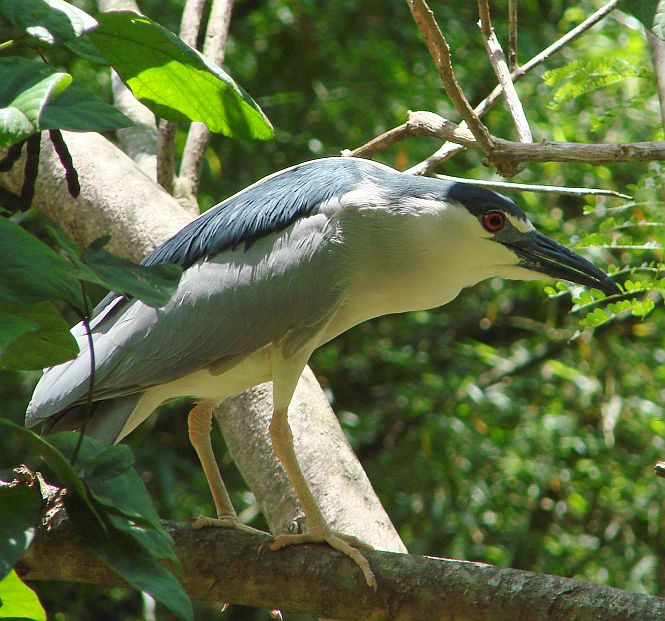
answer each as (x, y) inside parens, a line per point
(542, 254)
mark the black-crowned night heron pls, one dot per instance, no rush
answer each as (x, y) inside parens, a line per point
(274, 272)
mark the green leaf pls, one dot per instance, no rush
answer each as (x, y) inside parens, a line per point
(13, 327)
(85, 48)
(110, 462)
(650, 12)
(26, 86)
(126, 558)
(77, 109)
(153, 285)
(58, 463)
(126, 493)
(127, 548)
(51, 21)
(20, 507)
(17, 601)
(30, 271)
(158, 543)
(174, 80)
(50, 343)
(583, 76)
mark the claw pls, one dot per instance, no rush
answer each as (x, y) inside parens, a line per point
(344, 543)
(225, 521)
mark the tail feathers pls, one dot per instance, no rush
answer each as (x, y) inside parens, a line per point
(106, 422)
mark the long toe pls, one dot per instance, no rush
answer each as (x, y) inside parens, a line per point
(225, 521)
(344, 543)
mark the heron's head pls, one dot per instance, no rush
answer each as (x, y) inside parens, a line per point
(504, 240)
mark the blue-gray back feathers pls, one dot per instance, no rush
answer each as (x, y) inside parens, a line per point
(265, 207)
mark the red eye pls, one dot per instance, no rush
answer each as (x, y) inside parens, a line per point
(493, 221)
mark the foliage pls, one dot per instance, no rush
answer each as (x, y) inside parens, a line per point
(155, 64)
(487, 432)
(17, 601)
(110, 508)
(583, 76)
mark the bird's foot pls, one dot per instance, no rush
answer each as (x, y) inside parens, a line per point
(346, 544)
(225, 521)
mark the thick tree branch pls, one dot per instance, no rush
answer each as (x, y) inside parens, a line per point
(440, 52)
(231, 566)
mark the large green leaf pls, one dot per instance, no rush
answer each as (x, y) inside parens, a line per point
(650, 12)
(153, 285)
(174, 80)
(19, 514)
(17, 601)
(125, 492)
(125, 557)
(30, 271)
(26, 86)
(49, 344)
(135, 537)
(77, 109)
(51, 21)
(13, 327)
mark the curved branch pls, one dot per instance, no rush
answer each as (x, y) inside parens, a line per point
(430, 124)
(231, 566)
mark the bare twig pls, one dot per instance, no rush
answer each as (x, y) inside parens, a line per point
(529, 187)
(657, 47)
(198, 137)
(430, 124)
(440, 52)
(166, 154)
(512, 34)
(140, 140)
(500, 66)
(189, 33)
(190, 24)
(427, 123)
(447, 150)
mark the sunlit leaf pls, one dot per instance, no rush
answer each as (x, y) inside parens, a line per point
(174, 80)
(17, 601)
(51, 21)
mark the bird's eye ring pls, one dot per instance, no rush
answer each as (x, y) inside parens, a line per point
(494, 221)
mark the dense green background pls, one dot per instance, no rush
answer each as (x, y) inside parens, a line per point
(487, 433)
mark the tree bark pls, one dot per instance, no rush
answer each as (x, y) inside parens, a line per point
(230, 566)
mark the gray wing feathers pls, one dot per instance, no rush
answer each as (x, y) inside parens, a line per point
(107, 420)
(278, 291)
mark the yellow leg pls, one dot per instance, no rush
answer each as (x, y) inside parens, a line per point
(199, 423)
(282, 441)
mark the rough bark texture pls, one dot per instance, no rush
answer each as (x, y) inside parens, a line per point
(228, 566)
(117, 199)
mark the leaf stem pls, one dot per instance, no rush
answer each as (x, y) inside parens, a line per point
(5, 44)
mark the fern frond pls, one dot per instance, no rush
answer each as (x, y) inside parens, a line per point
(583, 76)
